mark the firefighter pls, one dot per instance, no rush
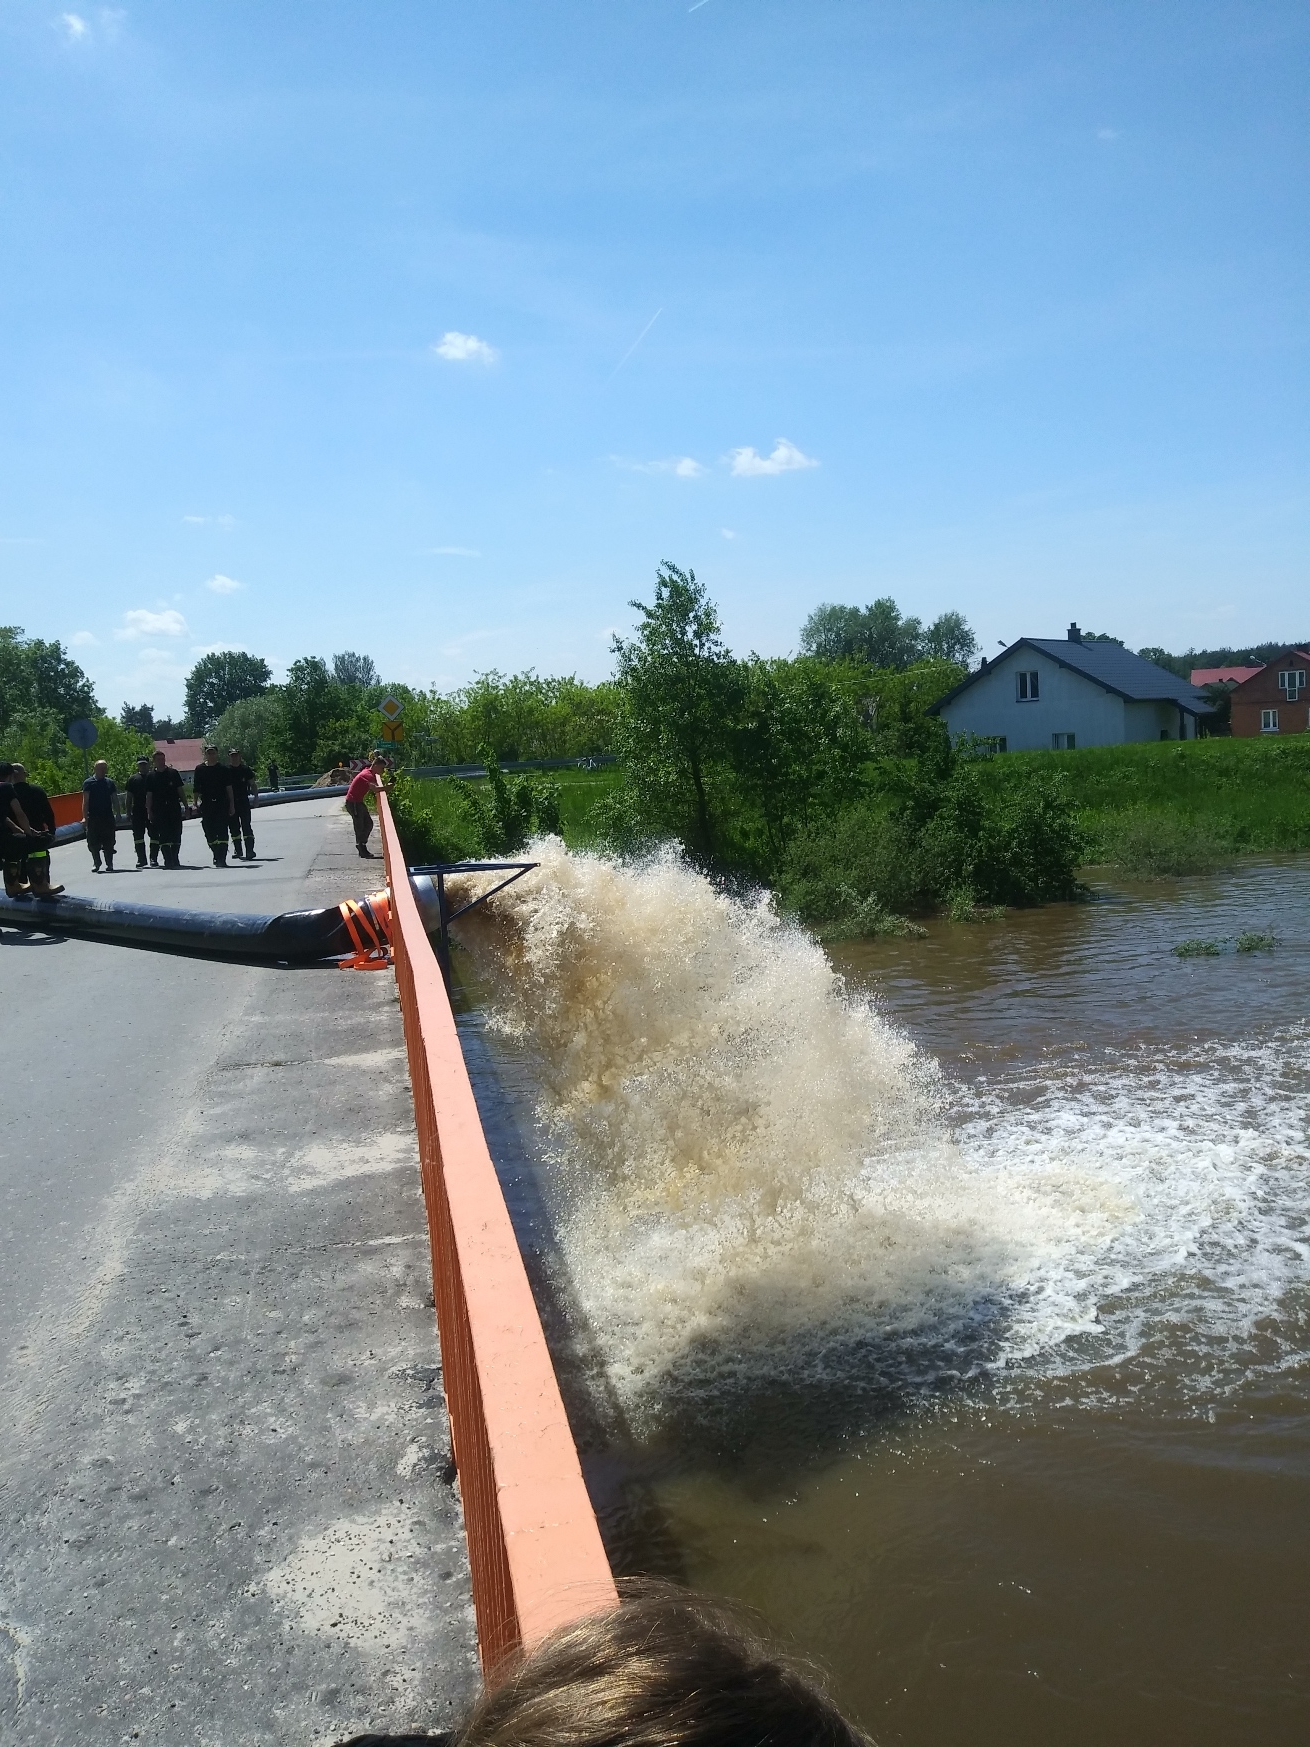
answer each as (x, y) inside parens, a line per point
(244, 790)
(35, 802)
(212, 787)
(15, 836)
(136, 787)
(165, 805)
(99, 792)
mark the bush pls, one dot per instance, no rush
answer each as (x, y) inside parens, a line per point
(1157, 845)
(432, 823)
(957, 844)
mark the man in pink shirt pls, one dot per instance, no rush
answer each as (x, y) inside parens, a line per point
(369, 780)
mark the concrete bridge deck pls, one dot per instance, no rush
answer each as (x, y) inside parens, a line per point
(227, 1513)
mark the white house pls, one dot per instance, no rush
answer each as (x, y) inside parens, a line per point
(1053, 694)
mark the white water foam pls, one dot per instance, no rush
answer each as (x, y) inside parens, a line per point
(756, 1177)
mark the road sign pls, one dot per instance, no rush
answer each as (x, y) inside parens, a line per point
(83, 733)
(391, 709)
(393, 731)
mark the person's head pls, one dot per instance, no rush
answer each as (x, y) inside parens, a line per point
(100, 767)
(6, 771)
(211, 755)
(234, 756)
(160, 760)
(666, 1668)
(143, 763)
(20, 772)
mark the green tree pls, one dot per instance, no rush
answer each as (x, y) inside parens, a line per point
(304, 709)
(879, 635)
(220, 679)
(678, 691)
(249, 725)
(348, 668)
(798, 743)
(139, 717)
(41, 677)
(38, 741)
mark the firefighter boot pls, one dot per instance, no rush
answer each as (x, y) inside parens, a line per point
(39, 874)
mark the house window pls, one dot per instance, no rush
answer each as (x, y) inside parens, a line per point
(1292, 682)
(1026, 687)
(1269, 721)
(1062, 742)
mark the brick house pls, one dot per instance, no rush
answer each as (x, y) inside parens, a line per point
(1276, 699)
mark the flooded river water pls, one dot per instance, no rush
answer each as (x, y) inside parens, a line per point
(954, 1310)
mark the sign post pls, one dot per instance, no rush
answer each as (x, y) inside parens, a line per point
(83, 733)
(393, 729)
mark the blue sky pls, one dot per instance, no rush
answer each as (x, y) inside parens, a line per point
(429, 329)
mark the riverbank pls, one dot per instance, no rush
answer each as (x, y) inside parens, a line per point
(1153, 810)
(1250, 796)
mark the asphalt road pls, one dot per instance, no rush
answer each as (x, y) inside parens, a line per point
(227, 1506)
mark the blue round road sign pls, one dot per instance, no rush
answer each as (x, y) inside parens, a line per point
(83, 733)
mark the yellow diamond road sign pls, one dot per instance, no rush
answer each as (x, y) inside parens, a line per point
(391, 708)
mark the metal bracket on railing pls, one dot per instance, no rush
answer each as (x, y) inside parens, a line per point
(436, 871)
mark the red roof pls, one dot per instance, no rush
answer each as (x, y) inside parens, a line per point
(182, 754)
(1222, 675)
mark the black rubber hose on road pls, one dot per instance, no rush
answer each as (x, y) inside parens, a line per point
(296, 936)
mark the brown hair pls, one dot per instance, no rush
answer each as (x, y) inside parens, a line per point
(666, 1668)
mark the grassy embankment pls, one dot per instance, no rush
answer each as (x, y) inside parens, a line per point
(1179, 808)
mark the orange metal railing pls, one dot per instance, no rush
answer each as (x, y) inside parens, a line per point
(534, 1547)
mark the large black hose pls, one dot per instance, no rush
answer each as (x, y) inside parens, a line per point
(296, 936)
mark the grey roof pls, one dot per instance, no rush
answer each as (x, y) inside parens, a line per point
(1109, 665)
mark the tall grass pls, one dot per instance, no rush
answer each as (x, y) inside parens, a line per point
(1182, 807)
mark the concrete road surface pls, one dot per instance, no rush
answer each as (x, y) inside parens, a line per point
(227, 1510)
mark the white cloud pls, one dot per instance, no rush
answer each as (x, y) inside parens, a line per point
(452, 552)
(728, 533)
(76, 28)
(465, 349)
(140, 622)
(786, 458)
(225, 522)
(82, 639)
(680, 466)
(221, 584)
(1107, 133)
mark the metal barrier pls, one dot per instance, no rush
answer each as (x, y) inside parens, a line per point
(534, 1546)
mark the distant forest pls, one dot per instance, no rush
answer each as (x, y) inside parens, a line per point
(1251, 655)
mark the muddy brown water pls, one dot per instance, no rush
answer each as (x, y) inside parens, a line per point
(1078, 1508)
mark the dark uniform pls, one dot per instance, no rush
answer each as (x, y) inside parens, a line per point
(136, 791)
(243, 787)
(167, 794)
(14, 841)
(99, 793)
(35, 802)
(212, 785)
(274, 774)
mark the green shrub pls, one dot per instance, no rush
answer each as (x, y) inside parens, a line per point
(432, 824)
(1199, 948)
(1263, 941)
(1151, 844)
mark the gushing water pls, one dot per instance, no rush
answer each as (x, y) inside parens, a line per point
(757, 1178)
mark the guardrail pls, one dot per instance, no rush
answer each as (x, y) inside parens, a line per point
(534, 1546)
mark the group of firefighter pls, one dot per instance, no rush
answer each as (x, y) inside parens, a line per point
(224, 794)
(157, 802)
